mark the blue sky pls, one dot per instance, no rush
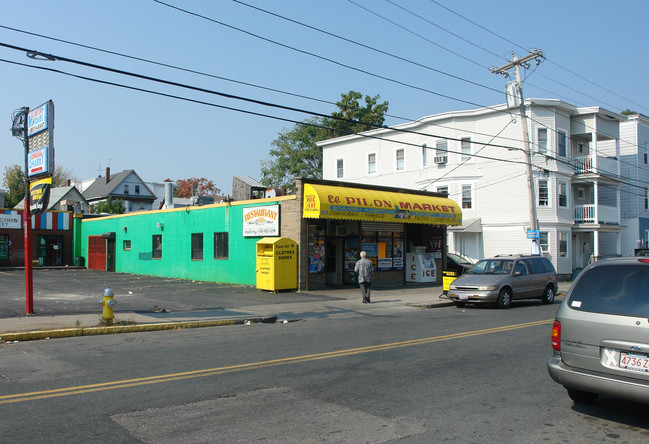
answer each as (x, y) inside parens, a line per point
(595, 56)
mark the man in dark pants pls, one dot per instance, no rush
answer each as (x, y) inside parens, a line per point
(365, 272)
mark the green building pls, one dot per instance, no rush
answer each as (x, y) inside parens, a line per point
(402, 231)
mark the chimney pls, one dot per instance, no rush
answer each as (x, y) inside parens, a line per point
(169, 195)
(107, 175)
(68, 182)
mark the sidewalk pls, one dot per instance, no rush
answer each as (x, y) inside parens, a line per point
(288, 307)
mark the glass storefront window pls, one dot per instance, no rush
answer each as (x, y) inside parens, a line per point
(316, 249)
(384, 248)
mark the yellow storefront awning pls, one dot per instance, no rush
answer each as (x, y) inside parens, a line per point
(333, 202)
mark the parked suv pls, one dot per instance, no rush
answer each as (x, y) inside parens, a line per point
(502, 279)
(600, 335)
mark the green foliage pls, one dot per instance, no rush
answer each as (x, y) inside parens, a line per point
(628, 112)
(295, 153)
(363, 118)
(108, 206)
(14, 182)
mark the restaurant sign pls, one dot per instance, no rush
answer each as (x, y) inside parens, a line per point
(261, 221)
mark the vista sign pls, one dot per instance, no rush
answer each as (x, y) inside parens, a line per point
(38, 119)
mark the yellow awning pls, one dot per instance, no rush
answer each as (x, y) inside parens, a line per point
(332, 202)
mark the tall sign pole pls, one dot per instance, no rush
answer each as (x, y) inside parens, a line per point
(19, 129)
(36, 129)
(514, 95)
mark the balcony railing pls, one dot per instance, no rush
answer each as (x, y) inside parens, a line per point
(586, 214)
(605, 165)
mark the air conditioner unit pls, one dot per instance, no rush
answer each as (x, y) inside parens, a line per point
(441, 159)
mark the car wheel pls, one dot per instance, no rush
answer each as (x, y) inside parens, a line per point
(460, 304)
(582, 397)
(504, 298)
(548, 295)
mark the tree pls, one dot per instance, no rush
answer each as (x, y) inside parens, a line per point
(14, 181)
(195, 187)
(295, 155)
(61, 177)
(295, 152)
(357, 118)
(108, 206)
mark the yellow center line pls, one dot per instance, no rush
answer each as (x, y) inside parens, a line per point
(76, 390)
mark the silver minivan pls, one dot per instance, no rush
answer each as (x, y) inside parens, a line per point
(501, 279)
(600, 335)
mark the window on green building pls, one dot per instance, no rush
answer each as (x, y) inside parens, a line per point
(157, 246)
(221, 245)
(4, 247)
(197, 246)
(126, 245)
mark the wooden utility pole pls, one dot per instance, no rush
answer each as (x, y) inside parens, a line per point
(516, 64)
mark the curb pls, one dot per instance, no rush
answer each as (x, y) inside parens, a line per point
(108, 330)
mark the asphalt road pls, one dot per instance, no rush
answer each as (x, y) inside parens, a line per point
(447, 374)
(77, 291)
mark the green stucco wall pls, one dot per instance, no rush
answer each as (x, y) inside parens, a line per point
(177, 227)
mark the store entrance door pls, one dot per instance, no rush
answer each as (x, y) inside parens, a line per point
(334, 260)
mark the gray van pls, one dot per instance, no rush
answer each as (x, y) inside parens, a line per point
(502, 279)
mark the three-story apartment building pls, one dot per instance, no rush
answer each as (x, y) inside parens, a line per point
(478, 158)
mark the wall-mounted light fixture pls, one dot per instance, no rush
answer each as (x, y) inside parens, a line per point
(160, 225)
(124, 229)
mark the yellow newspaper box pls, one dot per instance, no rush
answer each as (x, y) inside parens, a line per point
(448, 277)
(276, 264)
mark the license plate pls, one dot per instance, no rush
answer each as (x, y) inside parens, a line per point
(463, 297)
(634, 361)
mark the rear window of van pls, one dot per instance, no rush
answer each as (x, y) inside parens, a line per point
(619, 289)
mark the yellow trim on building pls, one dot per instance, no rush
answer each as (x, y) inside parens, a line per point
(267, 200)
(333, 202)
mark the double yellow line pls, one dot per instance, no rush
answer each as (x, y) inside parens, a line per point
(69, 391)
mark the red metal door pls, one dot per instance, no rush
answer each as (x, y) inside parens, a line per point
(96, 253)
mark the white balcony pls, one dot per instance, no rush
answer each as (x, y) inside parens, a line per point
(586, 214)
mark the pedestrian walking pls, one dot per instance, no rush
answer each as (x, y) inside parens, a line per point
(365, 273)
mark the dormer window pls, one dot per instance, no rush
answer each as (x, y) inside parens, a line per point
(125, 189)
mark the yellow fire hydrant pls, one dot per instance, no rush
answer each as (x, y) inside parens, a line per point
(108, 302)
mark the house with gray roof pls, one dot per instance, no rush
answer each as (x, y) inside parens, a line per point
(64, 199)
(126, 186)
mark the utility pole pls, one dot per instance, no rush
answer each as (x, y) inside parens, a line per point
(517, 95)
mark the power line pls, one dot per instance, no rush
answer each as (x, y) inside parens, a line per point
(371, 48)
(551, 61)
(119, 54)
(35, 54)
(327, 59)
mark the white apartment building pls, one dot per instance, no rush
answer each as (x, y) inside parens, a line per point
(478, 158)
(634, 167)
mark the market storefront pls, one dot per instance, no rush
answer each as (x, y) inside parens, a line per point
(402, 231)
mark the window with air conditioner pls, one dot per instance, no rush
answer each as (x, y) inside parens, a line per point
(441, 151)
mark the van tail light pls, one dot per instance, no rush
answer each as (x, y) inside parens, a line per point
(556, 336)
